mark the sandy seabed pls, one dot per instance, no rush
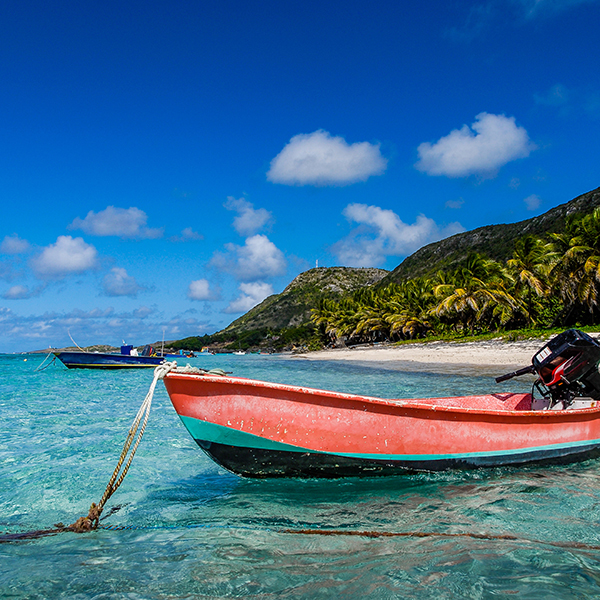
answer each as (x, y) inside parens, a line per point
(493, 357)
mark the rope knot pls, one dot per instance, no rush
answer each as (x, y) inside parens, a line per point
(162, 370)
(85, 524)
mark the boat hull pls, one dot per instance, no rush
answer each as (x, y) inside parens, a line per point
(93, 360)
(257, 429)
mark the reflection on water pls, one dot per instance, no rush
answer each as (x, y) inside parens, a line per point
(184, 528)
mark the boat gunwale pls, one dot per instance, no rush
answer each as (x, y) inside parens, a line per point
(393, 403)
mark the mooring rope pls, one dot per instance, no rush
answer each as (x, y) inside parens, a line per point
(84, 524)
(134, 437)
(372, 534)
(89, 523)
(39, 368)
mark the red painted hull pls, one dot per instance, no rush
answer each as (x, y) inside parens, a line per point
(259, 429)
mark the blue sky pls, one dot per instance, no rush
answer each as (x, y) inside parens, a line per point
(165, 166)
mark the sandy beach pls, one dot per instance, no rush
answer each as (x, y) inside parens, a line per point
(493, 357)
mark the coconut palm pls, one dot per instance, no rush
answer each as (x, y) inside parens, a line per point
(529, 267)
(476, 291)
(576, 272)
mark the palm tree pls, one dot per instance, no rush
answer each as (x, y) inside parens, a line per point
(371, 313)
(529, 266)
(585, 248)
(409, 308)
(576, 273)
(476, 290)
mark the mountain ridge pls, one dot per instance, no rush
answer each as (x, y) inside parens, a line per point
(494, 241)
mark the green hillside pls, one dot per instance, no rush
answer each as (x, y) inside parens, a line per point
(494, 241)
(283, 320)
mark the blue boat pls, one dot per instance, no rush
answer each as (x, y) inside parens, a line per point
(181, 354)
(110, 360)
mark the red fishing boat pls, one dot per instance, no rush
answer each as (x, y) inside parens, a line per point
(260, 429)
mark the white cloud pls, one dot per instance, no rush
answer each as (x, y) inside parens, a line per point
(321, 159)
(18, 292)
(118, 283)
(104, 326)
(455, 204)
(187, 235)
(252, 294)
(382, 233)
(65, 257)
(249, 219)
(13, 244)
(121, 222)
(258, 258)
(532, 202)
(200, 290)
(490, 142)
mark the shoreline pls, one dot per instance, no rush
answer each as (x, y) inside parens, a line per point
(491, 357)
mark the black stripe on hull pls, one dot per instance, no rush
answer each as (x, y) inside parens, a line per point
(261, 464)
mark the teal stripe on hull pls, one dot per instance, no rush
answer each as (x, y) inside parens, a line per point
(218, 434)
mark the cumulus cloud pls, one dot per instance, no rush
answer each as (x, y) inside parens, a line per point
(321, 159)
(121, 222)
(20, 292)
(258, 258)
(34, 332)
(381, 233)
(532, 202)
(490, 142)
(187, 235)
(251, 295)
(249, 220)
(118, 283)
(65, 257)
(201, 290)
(454, 204)
(13, 244)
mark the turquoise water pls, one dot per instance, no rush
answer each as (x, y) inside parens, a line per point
(184, 528)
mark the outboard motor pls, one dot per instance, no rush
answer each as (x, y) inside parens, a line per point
(567, 369)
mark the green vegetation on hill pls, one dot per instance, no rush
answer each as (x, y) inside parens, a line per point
(283, 321)
(493, 241)
(549, 281)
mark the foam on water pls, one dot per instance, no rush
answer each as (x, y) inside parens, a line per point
(184, 528)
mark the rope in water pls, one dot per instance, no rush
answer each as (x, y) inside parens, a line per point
(17, 537)
(137, 428)
(134, 437)
(44, 361)
(89, 523)
(84, 524)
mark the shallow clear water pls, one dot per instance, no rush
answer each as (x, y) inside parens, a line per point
(193, 530)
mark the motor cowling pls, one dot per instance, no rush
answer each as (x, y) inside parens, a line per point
(567, 367)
